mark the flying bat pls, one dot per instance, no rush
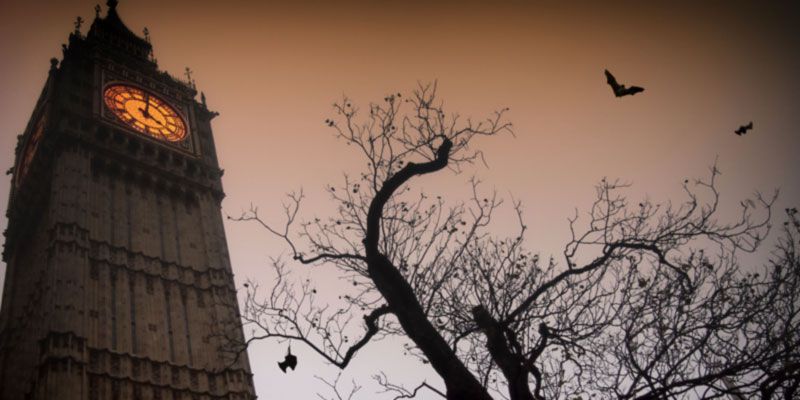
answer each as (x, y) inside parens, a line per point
(621, 90)
(743, 129)
(290, 361)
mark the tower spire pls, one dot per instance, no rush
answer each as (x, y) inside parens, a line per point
(111, 13)
(117, 34)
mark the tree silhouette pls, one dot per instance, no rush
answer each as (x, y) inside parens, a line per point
(648, 301)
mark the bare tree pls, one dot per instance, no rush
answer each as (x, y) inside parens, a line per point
(647, 302)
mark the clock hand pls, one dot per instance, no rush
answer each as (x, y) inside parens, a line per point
(148, 116)
(146, 104)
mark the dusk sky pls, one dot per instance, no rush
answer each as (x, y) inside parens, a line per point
(272, 70)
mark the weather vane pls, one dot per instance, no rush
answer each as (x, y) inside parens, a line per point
(78, 23)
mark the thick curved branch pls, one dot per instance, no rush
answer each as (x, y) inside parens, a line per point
(410, 170)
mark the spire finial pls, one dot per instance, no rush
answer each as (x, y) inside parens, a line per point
(97, 11)
(146, 34)
(188, 74)
(78, 23)
(112, 5)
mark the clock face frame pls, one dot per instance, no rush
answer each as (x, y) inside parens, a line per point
(145, 112)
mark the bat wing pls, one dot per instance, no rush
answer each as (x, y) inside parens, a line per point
(612, 82)
(633, 90)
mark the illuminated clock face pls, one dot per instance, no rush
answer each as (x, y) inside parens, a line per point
(30, 149)
(145, 112)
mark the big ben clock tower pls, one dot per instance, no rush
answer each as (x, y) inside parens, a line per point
(118, 282)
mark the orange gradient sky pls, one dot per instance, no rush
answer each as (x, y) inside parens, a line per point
(273, 69)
